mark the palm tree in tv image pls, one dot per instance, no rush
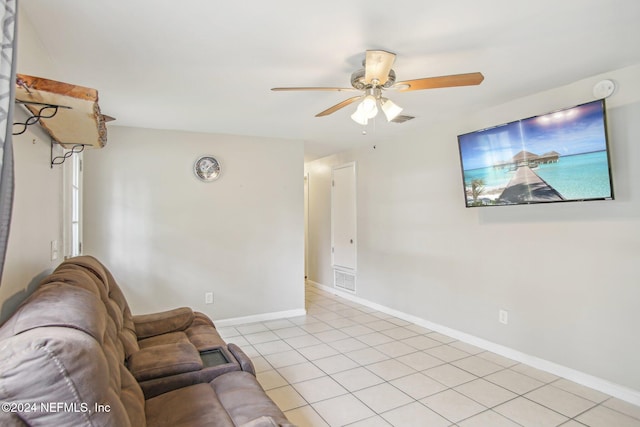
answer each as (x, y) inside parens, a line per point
(477, 187)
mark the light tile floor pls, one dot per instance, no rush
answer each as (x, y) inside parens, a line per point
(344, 364)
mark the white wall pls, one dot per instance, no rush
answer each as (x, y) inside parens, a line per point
(566, 273)
(169, 238)
(37, 209)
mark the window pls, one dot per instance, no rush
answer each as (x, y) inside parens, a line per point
(73, 206)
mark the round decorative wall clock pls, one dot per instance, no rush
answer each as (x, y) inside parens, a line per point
(207, 168)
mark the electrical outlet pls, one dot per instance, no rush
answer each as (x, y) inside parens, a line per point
(503, 316)
(208, 298)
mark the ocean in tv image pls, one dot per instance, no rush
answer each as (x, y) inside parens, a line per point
(561, 156)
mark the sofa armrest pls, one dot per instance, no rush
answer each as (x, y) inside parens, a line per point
(149, 325)
(243, 360)
(263, 421)
(164, 360)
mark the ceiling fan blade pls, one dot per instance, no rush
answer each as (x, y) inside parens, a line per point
(469, 79)
(377, 65)
(337, 89)
(338, 106)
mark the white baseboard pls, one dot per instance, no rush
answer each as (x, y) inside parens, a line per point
(264, 317)
(621, 392)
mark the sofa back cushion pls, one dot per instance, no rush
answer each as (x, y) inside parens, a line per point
(112, 296)
(63, 372)
(61, 346)
(58, 304)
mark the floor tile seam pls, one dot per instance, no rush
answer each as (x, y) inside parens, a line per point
(580, 395)
(490, 352)
(476, 375)
(375, 385)
(389, 410)
(595, 403)
(604, 406)
(569, 417)
(429, 348)
(423, 371)
(353, 391)
(301, 355)
(397, 378)
(512, 391)
(283, 327)
(531, 376)
(325, 399)
(380, 413)
(615, 410)
(400, 339)
(575, 417)
(473, 373)
(411, 403)
(448, 419)
(495, 412)
(314, 410)
(517, 395)
(301, 396)
(319, 414)
(274, 341)
(325, 372)
(292, 384)
(368, 346)
(327, 421)
(544, 383)
(402, 355)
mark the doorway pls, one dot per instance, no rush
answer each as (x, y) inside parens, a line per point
(343, 218)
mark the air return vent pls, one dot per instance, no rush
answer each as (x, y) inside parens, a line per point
(344, 281)
(402, 119)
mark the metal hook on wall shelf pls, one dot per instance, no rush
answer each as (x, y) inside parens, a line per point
(58, 160)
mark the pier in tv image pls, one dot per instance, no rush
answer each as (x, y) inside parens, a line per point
(556, 157)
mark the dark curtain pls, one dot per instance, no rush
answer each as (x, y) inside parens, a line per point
(8, 10)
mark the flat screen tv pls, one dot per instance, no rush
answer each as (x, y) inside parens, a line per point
(562, 156)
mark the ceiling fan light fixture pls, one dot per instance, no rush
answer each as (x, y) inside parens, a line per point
(369, 106)
(367, 109)
(390, 109)
(359, 117)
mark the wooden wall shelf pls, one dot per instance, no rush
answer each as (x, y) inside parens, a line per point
(77, 118)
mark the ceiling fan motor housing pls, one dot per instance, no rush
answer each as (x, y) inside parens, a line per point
(357, 80)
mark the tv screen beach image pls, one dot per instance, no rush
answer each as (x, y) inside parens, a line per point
(560, 156)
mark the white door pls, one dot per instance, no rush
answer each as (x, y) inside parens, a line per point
(306, 226)
(343, 216)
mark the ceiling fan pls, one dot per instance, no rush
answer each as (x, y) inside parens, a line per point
(377, 76)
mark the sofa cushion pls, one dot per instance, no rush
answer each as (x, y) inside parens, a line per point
(131, 397)
(193, 406)
(45, 305)
(61, 365)
(261, 422)
(204, 337)
(164, 360)
(149, 325)
(244, 399)
(170, 338)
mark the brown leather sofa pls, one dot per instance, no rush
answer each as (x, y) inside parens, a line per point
(162, 350)
(72, 354)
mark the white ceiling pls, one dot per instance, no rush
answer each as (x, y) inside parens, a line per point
(208, 66)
